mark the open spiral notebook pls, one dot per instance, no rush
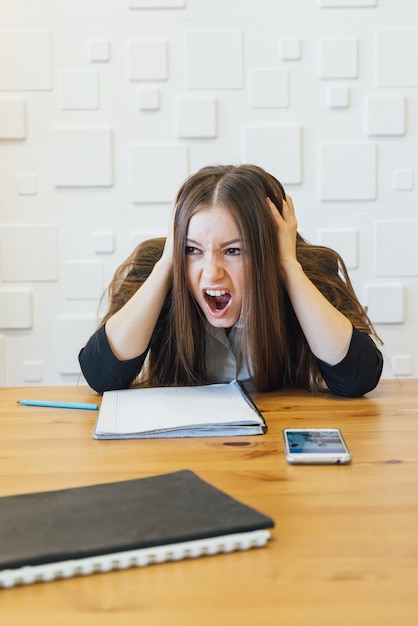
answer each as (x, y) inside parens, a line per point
(86, 530)
(201, 411)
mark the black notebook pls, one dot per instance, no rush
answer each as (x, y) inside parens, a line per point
(84, 530)
(200, 411)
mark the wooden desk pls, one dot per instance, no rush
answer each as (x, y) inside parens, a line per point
(344, 549)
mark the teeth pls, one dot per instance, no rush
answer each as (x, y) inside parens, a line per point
(215, 292)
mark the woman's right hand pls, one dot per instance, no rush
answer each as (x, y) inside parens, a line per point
(130, 329)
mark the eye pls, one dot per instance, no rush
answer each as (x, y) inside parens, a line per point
(233, 251)
(191, 250)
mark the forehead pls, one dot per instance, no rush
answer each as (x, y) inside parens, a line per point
(213, 220)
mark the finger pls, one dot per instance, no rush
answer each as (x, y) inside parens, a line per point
(289, 210)
(271, 204)
(278, 219)
(274, 210)
(288, 204)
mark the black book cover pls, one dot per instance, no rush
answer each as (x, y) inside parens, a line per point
(54, 526)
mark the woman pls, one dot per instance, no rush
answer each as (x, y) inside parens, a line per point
(233, 292)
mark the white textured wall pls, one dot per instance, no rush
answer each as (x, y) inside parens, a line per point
(107, 105)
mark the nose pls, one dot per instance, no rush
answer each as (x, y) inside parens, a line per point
(212, 268)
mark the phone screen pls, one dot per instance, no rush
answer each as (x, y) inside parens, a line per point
(315, 445)
(315, 442)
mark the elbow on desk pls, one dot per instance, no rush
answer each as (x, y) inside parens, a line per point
(358, 385)
(359, 372)
(354, 390)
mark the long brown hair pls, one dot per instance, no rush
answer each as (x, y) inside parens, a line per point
(270, 337)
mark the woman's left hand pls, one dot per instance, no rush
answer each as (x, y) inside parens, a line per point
(327, 331)
(287, 227)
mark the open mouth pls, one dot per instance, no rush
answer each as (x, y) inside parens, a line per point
(217, 299)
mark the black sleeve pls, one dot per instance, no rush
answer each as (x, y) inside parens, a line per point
(102, 370)
(358, 372)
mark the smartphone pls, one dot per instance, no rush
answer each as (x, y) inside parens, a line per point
(315, 445)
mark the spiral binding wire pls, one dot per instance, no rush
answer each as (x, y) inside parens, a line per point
(133, 558)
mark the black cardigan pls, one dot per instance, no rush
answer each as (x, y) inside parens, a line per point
(358, 372)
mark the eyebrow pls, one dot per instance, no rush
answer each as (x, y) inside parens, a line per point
(222, 245)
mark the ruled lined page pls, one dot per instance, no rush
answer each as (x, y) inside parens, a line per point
(160, 410)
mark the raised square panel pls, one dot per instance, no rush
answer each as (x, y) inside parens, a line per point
(99, 50)
(148, 99)
(214, 59)
(83, 157)
(338, 58)
(263, 146)
(29, 61)
(104, 242)
(385, 303)
(71, 334)
(385, 115)
(28, 252)
(338, 97)
(32, 371)
(157, 171)
(79, 90)
(12, 119)
(16, 309)
(347, 3)
(397, 57)
(196, 117)
(347, 171)
(156, 4)
(403, 180)
(84, 280)
(396, 247)
(269, 88)
(289, 49)
(343, 241)
(147, 59)
(403, 365)
(27, 185)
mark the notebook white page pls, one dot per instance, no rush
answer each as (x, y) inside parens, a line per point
(170, 411)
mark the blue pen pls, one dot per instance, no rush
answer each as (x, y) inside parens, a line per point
(59, 405)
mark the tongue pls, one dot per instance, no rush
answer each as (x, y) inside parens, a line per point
(221, 301)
